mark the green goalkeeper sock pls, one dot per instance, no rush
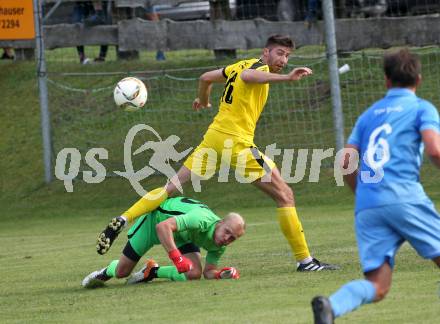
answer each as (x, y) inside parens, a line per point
(111, 269)
(171, 273)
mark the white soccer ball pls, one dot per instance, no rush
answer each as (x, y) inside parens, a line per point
(130, 94)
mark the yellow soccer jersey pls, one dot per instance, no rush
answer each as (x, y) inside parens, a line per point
(241, 103)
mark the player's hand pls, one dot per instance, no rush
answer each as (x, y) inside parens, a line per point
(182, 263)
(197, 105)
(228, 273)
(299, 73)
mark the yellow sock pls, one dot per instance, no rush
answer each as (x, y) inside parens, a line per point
(146, 204)
(293, 232)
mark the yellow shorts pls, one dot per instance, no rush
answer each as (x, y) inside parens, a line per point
(221, 151)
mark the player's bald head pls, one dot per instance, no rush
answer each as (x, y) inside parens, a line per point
(236, 222)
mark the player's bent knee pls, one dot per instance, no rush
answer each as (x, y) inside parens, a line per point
(194, 275)
(285, 196)
(122, 272)
(380, 295)
(381, 292)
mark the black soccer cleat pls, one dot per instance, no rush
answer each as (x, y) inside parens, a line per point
(315, 265)
(322, 310)
(109, 234)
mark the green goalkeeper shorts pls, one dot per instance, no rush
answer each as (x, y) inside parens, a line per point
(142, 235)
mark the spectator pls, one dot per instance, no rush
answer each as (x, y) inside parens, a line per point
(90, 14)
(98, 16)
(312, 12)
(151, 14)
(8, 53)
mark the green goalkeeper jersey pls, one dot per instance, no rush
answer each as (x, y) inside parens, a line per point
(195, 223)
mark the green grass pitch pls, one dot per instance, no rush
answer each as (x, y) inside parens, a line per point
(46, 253)
(47, 243)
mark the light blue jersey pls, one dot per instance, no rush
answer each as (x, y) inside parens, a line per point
(389, 139)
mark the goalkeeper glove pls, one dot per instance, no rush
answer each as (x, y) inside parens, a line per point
(227, 273)
(182, 263)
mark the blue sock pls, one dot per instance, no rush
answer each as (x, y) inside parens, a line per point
(351, 296)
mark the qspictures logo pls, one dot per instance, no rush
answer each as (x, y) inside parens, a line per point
(209, 163)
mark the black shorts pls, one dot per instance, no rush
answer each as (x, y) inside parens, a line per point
(130, 253)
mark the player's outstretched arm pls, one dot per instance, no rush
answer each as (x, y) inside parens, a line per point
(164, 232)
(212, 272)
(431, 139)
(205, 85)
(257, 76)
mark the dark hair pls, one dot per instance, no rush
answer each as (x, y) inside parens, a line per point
(280, 40)
(402, 68)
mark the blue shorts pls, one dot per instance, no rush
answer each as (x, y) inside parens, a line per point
(381, 231)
